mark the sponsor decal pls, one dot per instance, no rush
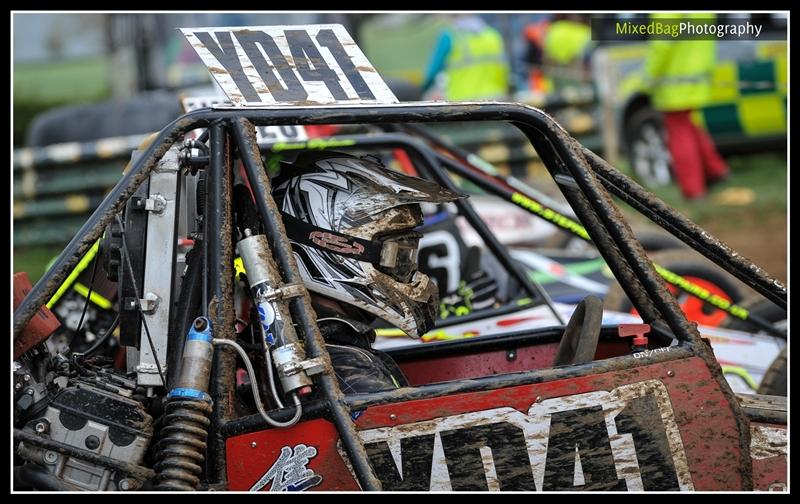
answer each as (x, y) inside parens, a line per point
(623, 439)
(290, 473)
(335, 243)
(650, 353)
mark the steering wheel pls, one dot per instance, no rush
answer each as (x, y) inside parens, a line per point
(579, 342)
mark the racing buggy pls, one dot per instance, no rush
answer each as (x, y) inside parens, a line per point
(223, 381)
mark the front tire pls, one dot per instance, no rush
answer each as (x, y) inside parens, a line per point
(647, 147)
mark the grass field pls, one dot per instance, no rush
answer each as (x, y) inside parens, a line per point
(757, 186)
(748, 211)
(78, 80)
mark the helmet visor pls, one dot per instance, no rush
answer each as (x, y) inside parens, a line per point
(399, 255)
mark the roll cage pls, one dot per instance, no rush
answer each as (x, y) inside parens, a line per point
(585, 180)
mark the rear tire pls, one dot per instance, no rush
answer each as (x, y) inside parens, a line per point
(775, 379)
(652, 239)
(656, 241)
(686, 264)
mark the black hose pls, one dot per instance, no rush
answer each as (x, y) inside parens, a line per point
(189, 302)
(88, 298)
(97, 344)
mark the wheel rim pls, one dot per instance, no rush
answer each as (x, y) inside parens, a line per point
(695, 309)
(650, 157)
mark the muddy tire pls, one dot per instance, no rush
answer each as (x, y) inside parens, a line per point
(645, 142)
(764, 308)
(653, 239)
(775, 380)
(698, 270)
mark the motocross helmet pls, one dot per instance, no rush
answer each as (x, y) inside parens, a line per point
(351, 222)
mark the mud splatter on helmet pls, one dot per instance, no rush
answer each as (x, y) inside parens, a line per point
(351, 223)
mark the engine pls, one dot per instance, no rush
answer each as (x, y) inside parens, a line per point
(89, 429)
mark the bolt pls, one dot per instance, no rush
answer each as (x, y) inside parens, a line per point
(29, 391)
(392, 417)
(40, 427)
(253, 444)
(17, 386)
(538, 398)
(27, 377)
(50, 457)
(200, 324)
(125, 485)
(511, 355)
(670, 373)
(25, 401)
(92, 442)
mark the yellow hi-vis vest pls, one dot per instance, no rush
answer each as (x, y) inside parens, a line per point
(678, 72)
(476, 67)
(566, 41)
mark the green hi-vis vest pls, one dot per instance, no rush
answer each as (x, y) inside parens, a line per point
(476, 66)
(678, 72)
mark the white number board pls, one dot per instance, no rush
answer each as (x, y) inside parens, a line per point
(289, 65)
(265, 135)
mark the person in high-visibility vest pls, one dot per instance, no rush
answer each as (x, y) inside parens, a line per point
(678, 74)
(566, 51)
(567, 40)
(471, 56)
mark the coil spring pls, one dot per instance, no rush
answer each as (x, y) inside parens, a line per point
(181, 451)
(201, 193)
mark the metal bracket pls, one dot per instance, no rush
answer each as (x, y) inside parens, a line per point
(285, 292)
(313, 366)
(566, 180)
(155, 203)
(147, 368)
(149, 304)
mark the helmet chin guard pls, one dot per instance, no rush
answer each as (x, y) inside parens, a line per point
(361, 244)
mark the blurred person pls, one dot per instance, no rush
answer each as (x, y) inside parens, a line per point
(567, 51)
(678, 75)
(471, 56)
(567, 41)
(535, 34)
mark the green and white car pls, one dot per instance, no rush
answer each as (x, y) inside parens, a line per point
(747, 111)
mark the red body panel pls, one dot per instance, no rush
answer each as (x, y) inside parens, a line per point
(247, 463)
(41, 326)
(528, 358)
(703, 416)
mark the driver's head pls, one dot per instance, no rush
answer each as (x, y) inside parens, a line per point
(352, 225)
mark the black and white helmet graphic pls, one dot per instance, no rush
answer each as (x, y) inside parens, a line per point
(351, 223)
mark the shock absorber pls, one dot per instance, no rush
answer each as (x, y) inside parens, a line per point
(181, 451)
(280, 338)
